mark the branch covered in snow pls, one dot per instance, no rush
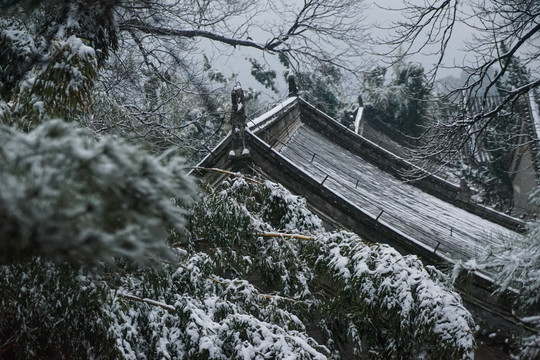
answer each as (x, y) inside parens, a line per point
(516, 264)
(235, 295)
(66, 196)
(397, 296)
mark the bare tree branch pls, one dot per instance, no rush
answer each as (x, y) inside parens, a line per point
(154, 30)
(495, 23)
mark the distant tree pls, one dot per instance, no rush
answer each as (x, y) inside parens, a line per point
(322, 87)
(403, 102)
(430, 26)
(504, 133)
(492, 151)
(266, 77)
(321, 84)
(411, 118)
(185, 110)
(375, 78)
(517, 74)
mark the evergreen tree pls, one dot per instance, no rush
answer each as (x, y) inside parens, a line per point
(266, 77)
(517, 74)
(375, 78)
(411, 116)
(50, 57)
(237, 289)
(500, 30)
(321, 86)
(403, 103)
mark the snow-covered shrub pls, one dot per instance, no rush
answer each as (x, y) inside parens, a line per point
(378, 299)
(386, 299)
(287, 212)
(517, 265)
(53, 311)
(234, 219)
(210, 317)
(62, 86)
(220, 221)
(243, 292)
(50, 55)
(66, 196)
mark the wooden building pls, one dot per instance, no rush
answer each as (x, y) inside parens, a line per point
(356, 184)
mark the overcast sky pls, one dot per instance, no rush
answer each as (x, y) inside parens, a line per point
(381, 20)
(378, 20)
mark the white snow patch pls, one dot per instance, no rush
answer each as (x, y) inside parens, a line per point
(267, 115)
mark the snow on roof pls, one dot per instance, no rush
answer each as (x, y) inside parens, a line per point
(379, 148)
(259, 121)
(439, 225)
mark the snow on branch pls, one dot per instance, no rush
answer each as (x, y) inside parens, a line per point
(66, 196)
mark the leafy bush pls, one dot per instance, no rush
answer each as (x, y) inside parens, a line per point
(53, 311)
(238, 289)
(516, 263)
(67, 197)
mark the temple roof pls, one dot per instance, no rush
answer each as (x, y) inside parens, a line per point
(430, 212)
(355, 184)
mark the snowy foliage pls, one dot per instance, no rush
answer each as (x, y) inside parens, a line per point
(398, 298)
(369, 304)
(51, 56)
(185, 108)
(517, 265)
(66, 196)
(52, 311)
(214, 318)
(63, 85)
(401, 103)
(237, 290)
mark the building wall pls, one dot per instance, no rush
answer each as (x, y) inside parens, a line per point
(524, 182)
